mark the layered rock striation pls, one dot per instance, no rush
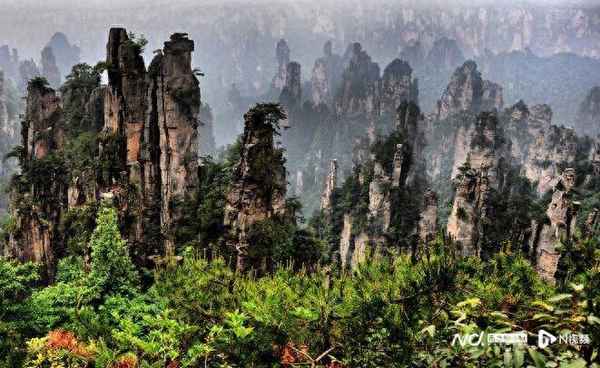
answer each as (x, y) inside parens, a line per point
(145, 122)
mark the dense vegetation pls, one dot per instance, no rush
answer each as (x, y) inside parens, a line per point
(105, 309)
(392, 311)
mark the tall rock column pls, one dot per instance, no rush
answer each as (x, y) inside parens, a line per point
(150, 129)
(561, 214)
(464, 92)
(40, 193)
(175, 102)
(258, 185)
(330, 185)
(467, 91)
(49, 68)
(122, 138)
(462, 223)
(398, 86)
(125, 102)
(282, 52)
(326, 76)
(427, 227)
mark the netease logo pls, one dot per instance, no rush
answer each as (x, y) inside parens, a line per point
(545, 338)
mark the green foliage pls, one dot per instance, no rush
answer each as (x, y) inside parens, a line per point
(17, 282)
(18, 152)
(78, 107)
(39, 83)
(389, 312)
(384, 149)
(137, 42)
(111, 269)
(506, 295)
(77, 225)
(83, 75)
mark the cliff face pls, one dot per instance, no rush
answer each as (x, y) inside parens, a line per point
(538, 146)
(588, 116)
(146, 125)
(350, 100)
(398, 86)
(38, 199)
(258, 185)
(66, 54)
(467, 91)
(330, 185)
(360, 84)
(481, 172)
(175, 102)
(428, 223)
(452, 128)
(49, 69)
(291, 93)
(326, 75)
(282, 53)
(154, 117)
(387, 193)
(561, 219)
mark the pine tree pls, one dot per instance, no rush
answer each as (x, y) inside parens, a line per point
(112, 271)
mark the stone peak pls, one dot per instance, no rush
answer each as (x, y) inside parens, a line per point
(397, 67)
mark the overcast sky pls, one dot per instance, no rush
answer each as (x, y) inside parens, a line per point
(72, 4)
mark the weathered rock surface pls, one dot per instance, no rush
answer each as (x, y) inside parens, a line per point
(326, 75)
(346, 241)
(49, 69)
(291, 93)
(258, 185)
(282, 53)
(537, 145)
(36, 205)
(359, 91)
(398, 86)
(595, 156)
(379, 200)
(471, 192)
(446, 53)
(330, 186)
(66, 54)
(147, 123)
(561, 215)
(467, 91)
(177, 93)
(481, 172)
(428, 221)
(27, 71)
